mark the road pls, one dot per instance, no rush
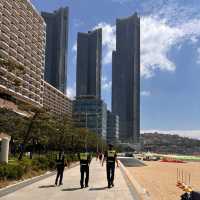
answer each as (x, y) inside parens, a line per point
(131, 162)
(97, 190)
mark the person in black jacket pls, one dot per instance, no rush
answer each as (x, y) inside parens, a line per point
(85, 160)
(110, 157)
(60, 165)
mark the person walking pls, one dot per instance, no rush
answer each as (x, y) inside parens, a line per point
(85, 160)
(60, 166)
(111, 158)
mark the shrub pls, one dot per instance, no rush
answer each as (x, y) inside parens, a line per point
(11, 171)
(41, 162)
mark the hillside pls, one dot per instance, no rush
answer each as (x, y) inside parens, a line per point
(166, 143)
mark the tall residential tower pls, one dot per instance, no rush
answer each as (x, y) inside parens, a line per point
(126, 78)
(89, 55)
(56, 48)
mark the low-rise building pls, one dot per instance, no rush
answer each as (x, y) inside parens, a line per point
(56, 102)
(112, 127)
(91, 113)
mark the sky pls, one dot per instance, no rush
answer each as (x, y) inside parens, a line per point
(170, 56)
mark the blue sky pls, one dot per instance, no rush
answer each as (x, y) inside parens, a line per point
(170, 55)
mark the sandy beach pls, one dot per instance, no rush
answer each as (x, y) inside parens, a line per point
(160, 178)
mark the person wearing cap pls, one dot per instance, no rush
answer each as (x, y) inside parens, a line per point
(85, 160)
(111, 158)
(60, 165)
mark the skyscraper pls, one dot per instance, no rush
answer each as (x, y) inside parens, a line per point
(126, 78)
(89, 55)
(56, 48)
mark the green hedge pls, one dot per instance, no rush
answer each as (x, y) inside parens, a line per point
(11, 171)
(15, 169)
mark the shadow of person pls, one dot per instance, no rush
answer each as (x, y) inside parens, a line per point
(46, 186)
(70, 189)
(96, 189)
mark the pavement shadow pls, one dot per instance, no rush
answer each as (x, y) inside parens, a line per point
(97, 189)
(70, 189)
(46, 186)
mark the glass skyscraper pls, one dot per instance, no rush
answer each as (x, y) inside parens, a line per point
(126, 78)
(89, 56)
(56, 48)
(91, 113)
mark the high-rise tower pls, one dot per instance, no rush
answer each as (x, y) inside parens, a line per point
(89, 56)
(126, 78)
(56, 48)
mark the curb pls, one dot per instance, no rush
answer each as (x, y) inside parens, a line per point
(141, 192)
(17, 186)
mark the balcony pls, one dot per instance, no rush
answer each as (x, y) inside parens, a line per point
(34, 40)
(13, 44)
(4, 53)
(3, 71)
(27, 56)
(21, 36)
(34, 53)
(13, 37)
(21, 43)
(8, 5)
(5, 20)
(5, 28)
(14, 29)
(33, 60)
(20, 57)
(7, 13)
(22, 21)
(22, 13)
(23, 6)
(13, 52)
(28, 37)
(35, 27)
(4, 45)
(15, 12)
(22, 28)
(12, 58)
(5, 37)
(14, 19)
(30, 12)
(35, 34)
(27, 64)
(28, 27)
(20, 50)
(27, 49)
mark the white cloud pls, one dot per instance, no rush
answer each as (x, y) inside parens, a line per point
(184, 133)
(71, 92)
(108, 41)
(145, 93)
(106, 84)
(198, 56)
(157, 39)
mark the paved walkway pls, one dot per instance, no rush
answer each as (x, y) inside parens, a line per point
(70, 190)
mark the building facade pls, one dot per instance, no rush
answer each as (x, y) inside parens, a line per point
(22, 51)
(56, 48)
(112, 128)
(89, 63)
(126, 78)
(56, 102)
(90, 112)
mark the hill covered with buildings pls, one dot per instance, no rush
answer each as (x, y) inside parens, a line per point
(167, 143)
